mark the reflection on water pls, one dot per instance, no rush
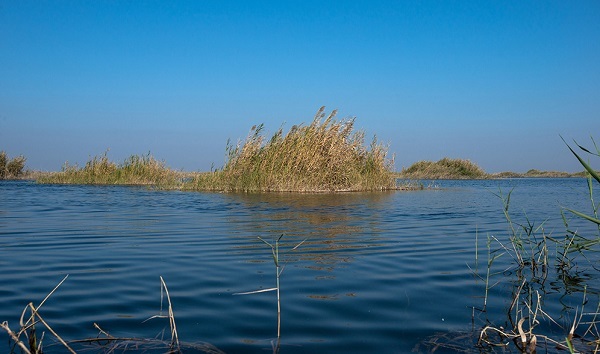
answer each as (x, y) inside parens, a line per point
(326, 223)
(378, 272)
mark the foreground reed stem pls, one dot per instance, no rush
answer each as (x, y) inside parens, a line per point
(278, 271)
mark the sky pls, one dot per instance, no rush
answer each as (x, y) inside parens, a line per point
(495, 82)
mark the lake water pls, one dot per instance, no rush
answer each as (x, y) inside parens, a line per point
(377, 273)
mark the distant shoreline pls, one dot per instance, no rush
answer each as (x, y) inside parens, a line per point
(34, 175)
(539, 174)
(497, 175)
(449, 168)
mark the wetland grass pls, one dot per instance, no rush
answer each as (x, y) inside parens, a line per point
(448, 168)
(11, 168)
(445, 168)
(28, 328)
(532, 273)
(135, 170)
(324, 156)
(529, 246)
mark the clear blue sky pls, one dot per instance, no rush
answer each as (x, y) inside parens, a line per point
(495, 82)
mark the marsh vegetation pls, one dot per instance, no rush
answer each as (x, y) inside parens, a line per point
(11, 168)
(135, 170)
(448, 168)
(325, 155)
(445, 168)
(533, 264)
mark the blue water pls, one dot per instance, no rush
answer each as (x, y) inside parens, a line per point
(377, 272)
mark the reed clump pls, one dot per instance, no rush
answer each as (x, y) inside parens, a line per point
(533, 267)
(11, 168)
(326, 155)
(135, 170)
(445, 168)
(532, 263)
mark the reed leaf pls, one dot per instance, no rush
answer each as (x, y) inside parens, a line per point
(585, 165)
(585, 216)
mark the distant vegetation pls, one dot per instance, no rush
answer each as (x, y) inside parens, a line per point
(327, 155)
(278, 165)
(445, 168)
(135, 170)
(11, 168)
(533, 173)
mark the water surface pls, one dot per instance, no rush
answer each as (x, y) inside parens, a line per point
(377, 272)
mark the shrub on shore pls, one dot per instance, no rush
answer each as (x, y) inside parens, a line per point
(11, 168)
(445, 168)
(326, 155)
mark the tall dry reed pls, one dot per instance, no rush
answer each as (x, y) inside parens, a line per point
(326, 155)
(11, 168)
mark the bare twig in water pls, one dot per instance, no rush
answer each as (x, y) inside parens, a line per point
(28, 327)
(35, 313)
(14, 337)
(109, 343)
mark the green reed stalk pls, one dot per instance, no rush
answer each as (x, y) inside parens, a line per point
(526, 305)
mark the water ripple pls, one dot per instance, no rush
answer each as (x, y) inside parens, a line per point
(376, 272)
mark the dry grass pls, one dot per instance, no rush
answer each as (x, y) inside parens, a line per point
(29, 341)
(445, 168)
(11, 168)
(135, 170)
(326, 155)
